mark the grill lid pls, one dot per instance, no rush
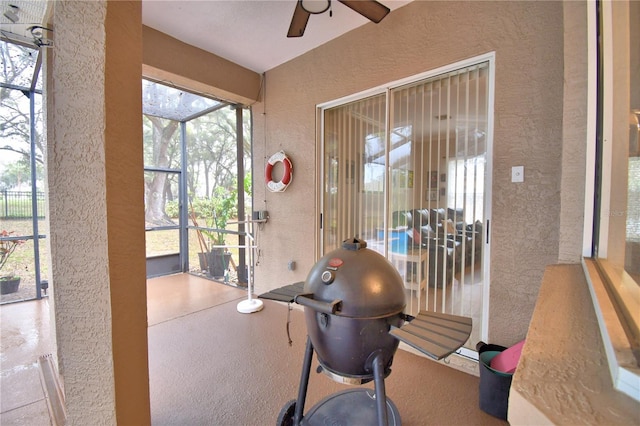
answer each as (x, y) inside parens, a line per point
(366, 283)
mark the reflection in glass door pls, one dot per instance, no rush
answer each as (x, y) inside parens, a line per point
(354, 178)
(443, 210)
(411, 178)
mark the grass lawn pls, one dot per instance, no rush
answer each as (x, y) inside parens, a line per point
(21, 262)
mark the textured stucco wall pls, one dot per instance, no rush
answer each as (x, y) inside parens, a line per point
(528, 40)
(574, 131)
(564, 379)
(167, 58)
(96, 215)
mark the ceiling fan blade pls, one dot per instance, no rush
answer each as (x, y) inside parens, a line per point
(298, 21)
(370, 9)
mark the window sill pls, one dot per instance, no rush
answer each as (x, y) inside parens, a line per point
(561, 377)
(623, 365)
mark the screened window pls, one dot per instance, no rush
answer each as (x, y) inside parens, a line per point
(22, 151)
(195, 187)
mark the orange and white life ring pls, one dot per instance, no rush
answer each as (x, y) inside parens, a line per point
(287, 175)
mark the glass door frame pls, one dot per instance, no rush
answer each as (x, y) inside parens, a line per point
(386, 89)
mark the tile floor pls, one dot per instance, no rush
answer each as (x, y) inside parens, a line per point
(249, 370)
(25, 336)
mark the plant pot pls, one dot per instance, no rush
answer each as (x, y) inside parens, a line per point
(203, 259)
(9, 285)
(218, 262)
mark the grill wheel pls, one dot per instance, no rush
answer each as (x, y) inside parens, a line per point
(285, 418)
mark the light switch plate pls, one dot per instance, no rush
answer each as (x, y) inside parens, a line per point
(517, 174)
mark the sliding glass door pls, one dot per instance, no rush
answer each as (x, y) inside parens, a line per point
(354, 172)
(407, 169)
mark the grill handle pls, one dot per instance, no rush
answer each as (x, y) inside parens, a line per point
(318, 305)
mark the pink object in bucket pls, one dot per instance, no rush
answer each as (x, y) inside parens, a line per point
(507, 360)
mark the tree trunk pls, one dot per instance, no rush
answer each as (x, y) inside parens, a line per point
(155, 190)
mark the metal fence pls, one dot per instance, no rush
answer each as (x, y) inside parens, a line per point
(18, 204)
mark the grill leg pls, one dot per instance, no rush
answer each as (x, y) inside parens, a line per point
(381, 396)
(304, 382)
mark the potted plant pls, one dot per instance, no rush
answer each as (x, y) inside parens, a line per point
(8, 283)
(216, 211)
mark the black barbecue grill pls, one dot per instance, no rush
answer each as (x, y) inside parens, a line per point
(354, 305)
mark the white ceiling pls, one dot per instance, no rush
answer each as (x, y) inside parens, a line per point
(251, 33)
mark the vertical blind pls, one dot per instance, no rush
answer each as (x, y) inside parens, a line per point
(410, 180)
(354, 171)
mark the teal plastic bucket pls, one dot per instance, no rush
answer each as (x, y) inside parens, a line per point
(486, 358)
(494, 387)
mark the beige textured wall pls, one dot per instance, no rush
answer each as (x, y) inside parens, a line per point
(564, 380)
(574, 131)
(168, 59)
(528, 40)
(96, 215)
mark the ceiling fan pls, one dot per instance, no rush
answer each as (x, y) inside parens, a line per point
(370, 9)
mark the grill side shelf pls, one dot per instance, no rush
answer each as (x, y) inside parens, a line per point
(434, 334)
(287, 293)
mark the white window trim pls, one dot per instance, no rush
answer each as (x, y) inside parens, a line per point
(622, 363)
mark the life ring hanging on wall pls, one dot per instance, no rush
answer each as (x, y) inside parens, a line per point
(287, 175)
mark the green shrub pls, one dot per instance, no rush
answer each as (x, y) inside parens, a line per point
(172, 208)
